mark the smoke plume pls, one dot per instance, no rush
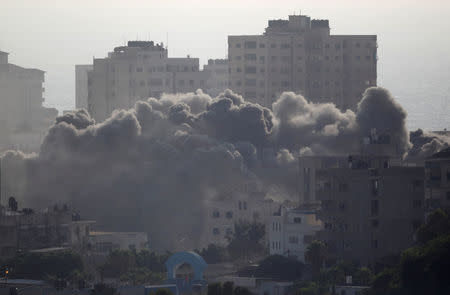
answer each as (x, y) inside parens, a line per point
(150, 168)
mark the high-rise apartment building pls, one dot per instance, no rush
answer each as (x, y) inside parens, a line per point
(137, 71)
(23, 119)
(300, 55)
(217, 81)
(369, 209)
(81, 85)
(437, 180)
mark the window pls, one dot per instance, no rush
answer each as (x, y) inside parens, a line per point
(374, 207)
(229, 214)
(417, 184)
(374, 223)
(229, 232)
(142, 83)
(250, 44)
(273, 45)
(297, 220)
(155, 82)
(191, 82)
(238, 70)
(293, 240)
(327, 45)
(374, 244)
(216, 214)
(262, 45)
(245, 205)
(286, 58)
(285, 46)
(139, 70)
(250, 56)
(285, 83)
(417, 204)
(238, 45)
(358, 45)
(238, 57)
(262, 58)
(358, 57)
(240, 205)
(216, 231)
(250, 82)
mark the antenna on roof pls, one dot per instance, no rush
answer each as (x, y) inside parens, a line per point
(167, 41)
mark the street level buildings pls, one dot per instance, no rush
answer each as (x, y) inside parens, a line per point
(291, 230)
(300, 55)
(137, 71)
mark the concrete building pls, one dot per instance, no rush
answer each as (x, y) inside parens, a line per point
(217, 81)
(369, 209)
(291, 230)
(102, 243)
(300, 55)
(223, 212)
(81, 85)
(23, 119)
(437, 181)
(137, 71)
(27, 230)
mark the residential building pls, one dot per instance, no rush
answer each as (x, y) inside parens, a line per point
(300, 55)
(217, 81)
(27, 230)
(102, 243)
(137, 71)
(81, 85)
(437, 180)
(242, 203)
(291, 230)
(369, 209)
(23, 119)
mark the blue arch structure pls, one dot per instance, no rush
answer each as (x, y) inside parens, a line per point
(197, 263)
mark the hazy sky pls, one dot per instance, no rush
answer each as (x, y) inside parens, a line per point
(413, 38)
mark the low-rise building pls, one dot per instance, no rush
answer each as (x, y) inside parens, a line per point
(102, 243)
(291, 230)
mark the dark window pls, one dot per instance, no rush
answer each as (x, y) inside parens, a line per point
(229, 214)
(285, 46)
(417, 204)
(262, 45)
(238, 45)
(297, 220)
(216, 231)
(250, 56)
(374, 207)
(343, 187)
(245, 205)
(250, 70)
(374, 223)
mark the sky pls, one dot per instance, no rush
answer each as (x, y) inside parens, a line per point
(413, 39)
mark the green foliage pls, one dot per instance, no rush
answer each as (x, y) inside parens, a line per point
(214, 254)
(144, 266)
(103, 289)
(227, 288)
(316, 254)
(241, 291)
(41, 266)
(438, 223)
(427, 269)
(215, 289)
(163, 292)
(280, 267)
(142, 275)
(246, 239)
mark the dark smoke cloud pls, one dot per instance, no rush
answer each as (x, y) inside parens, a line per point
(425, 144)
(151, 167)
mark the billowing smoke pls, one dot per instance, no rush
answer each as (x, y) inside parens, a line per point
(150, 168)
(425, 144)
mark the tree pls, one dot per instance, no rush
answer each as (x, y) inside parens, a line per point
(241, 291)
(40, 266)
(119, 262)
(246, 239)
(280, 267)
(103, 289)
(215, 289)
(438, 223)
(227, 288)
(12, 204)
(316, 254)
(214, 254)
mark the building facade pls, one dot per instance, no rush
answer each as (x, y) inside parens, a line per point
(137, 71)
(102, 243)
(369, 210)
(81, 85)
(290, 232)
(23, 119)
(217, 81)
(300, 55)
(437, 181)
